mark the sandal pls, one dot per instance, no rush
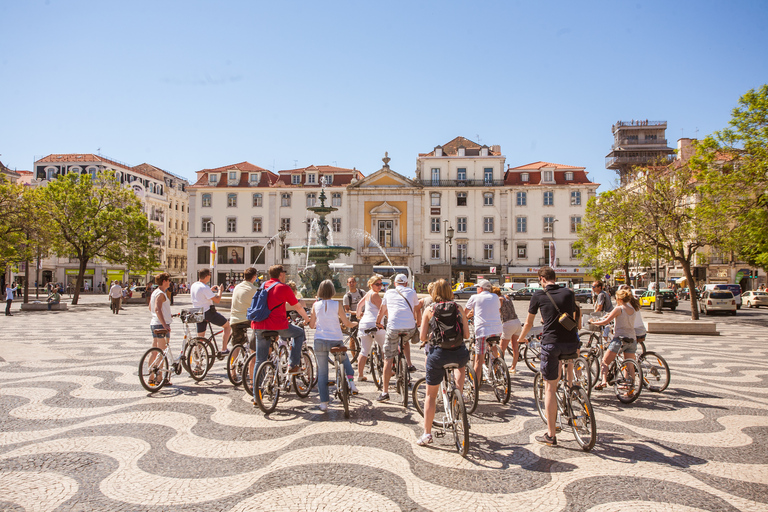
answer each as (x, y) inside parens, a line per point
(362, 378)
(600, 386)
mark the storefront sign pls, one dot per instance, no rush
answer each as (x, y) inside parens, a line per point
(558, 270)
(74, 271)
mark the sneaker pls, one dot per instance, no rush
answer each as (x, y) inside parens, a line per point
(294, 370)
(323, 406)
(545, 439)
(425, 439)
(513, 371)
(411, 368)
(224, 353)
(352, 387)
(383, 397)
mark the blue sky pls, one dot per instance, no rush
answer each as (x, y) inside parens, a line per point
(192, 85)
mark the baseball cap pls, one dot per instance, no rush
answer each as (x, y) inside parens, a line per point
(484, 284)
(401, 278)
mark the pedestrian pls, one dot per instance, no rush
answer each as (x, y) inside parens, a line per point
(171, 291)
(350, 302)
(556, 340)
(161, 319)
(327, 317)
(603, 303)
(241, 300)
(115, 297)
(53, 298)
(9, 298)
(205, 297)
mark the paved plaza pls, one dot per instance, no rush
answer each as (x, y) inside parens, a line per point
(78, 432)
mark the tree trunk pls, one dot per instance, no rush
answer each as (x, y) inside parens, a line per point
(26, 281)
(691, 290)
(626, 273)
(80, 280)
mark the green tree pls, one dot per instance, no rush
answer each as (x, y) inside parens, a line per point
(98, 218)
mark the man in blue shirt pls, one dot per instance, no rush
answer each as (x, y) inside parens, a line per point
(9, 298)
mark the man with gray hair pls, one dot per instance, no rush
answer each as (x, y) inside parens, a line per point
(486, 310)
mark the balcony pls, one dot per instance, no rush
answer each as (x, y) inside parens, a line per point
(461, 183)
(636, 142)
(614, 162)
(374, 250)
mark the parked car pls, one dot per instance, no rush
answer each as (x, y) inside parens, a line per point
(717, 300)
(754, 299)
(735, 289)
(638, 292)
(583, 295)
(524, 293)
(465, 284)
(465, 293)
(668, 299)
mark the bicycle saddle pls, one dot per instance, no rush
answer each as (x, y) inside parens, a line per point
(492, 339)
(338, 350)
(161, 331)
(270, 334)
(565, 357)
(451, 366)
(372, 330)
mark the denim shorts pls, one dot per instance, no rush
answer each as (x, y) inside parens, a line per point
(619, 346)
(438, 357)
(155, 335)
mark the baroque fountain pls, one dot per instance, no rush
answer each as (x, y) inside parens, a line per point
(320, 252)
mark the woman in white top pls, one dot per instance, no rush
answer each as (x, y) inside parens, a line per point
(325, 318)
(160, 307)
(624, 338)
(371, 302)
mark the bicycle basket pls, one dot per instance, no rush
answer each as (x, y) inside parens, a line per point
(593, 327)
(192, 315)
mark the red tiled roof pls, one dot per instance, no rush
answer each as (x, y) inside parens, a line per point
(341, 175)
(534, 177)
(81, 158)
(268, 178)
(535, 166)
(452, 148)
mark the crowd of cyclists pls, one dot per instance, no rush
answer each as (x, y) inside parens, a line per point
(435, 323)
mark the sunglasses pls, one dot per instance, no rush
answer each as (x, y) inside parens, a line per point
(377, 284)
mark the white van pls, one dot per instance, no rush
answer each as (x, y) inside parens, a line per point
(509, 287)
(735, 289)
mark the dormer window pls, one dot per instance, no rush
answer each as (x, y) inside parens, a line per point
(568, 176)
(296, 179)
(254, 178)
(524, 177)
(311, 179)
(547, 176)
(328, 179)
(213, 178)
(232, 175)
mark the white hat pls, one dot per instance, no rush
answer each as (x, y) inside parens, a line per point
(401, 278)
(484, 284)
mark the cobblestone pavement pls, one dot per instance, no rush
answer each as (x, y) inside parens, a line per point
(78, 432)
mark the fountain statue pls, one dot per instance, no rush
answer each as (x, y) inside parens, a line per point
(320, 252)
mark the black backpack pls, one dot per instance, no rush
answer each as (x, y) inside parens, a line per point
(445, 329)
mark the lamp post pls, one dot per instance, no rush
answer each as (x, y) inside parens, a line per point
(449, 241)
(282, 233)
(213, 252)
(656, 307)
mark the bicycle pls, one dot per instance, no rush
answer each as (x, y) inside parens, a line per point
(495, 371)
(155, 367)
(400, 367)
(236, 362)
(352, 342)
(342, 383)
(574, 409)
(626, 377)
(375, 361)
(656, 373)
(450, 411)
(530, 351)
(213, 346)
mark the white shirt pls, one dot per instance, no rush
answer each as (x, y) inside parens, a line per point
(327, 326)
(116, 291)
(201, 295)
(9, 292)
(399, 313)
(486, 306)
(166, 309)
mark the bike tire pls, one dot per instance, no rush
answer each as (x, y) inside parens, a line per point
(402, 380)
(375, 367)
(656, 373)
(460, 424)
(538, 396)
(628, 389)
(247, 375)
(302, 382)
(353, 347)
(198, 360)
(267, 387)
(532, 355)
(237, 357)
(471, 391)
(582, 373)
(342, 384)
(309, 350)
(502, 383)
(582, 418)
(153, 366)
(211, 349)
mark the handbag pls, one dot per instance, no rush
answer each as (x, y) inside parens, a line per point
(564, 318)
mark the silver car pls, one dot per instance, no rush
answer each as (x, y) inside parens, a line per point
(754, 299)
(717, 300)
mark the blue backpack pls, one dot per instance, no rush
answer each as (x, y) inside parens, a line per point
(258, 311)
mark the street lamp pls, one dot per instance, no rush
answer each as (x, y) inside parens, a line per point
(282, 233)
(449, 240)
(214, 251)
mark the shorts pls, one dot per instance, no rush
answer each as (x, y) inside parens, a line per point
(619, 345)
(240, 333)
(389, 350)
(511, 328)
(438, 357)
(550, 364)
(366, 341)
(213, 317)
(154, 334)
(480, 344)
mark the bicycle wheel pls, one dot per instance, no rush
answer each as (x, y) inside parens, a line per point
(237, 357)
(353, 346)
(532, 355)
(153, 370)
(267, 387)
(419, 394)
(302, 382)
(246, 376)
(538, 396)
(211, 349)
(582, 374)
(502, 384)
(198, 360)
(460, 423)
(375, 366)
(582, 418)
(629, 381)
(470, 392)
(655, 372)
(312, 357)
(402, 380)
(342, 384)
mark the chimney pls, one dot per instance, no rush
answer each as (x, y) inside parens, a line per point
(685, 149)
(496, 149)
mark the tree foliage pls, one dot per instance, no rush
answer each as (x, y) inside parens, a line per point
(98, 218)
